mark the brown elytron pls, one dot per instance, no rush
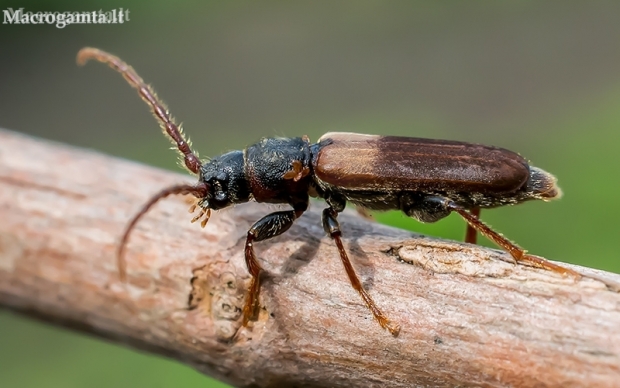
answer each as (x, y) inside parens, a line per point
(426, 179)
(369, 162)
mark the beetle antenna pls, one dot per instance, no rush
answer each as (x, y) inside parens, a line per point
(199, 191)
(160, 111)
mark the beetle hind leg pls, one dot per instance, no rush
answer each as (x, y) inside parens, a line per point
(518, 253)
(331, 226)
(471, 234)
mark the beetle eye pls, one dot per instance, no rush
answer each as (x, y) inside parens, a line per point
(218, 190)
(220, 196)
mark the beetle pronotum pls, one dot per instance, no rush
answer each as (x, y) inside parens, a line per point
(426, 179)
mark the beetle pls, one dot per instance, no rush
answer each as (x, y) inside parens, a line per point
(424, 178)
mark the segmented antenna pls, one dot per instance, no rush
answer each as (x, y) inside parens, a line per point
(160, 111)
(199, 191)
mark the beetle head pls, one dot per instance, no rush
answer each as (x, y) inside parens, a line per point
(225, 178)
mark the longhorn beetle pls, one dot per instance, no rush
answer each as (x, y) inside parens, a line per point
(424, 178)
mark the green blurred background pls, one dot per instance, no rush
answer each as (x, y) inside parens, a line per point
(540, 78)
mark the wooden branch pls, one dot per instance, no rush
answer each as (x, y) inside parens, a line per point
(469, 316)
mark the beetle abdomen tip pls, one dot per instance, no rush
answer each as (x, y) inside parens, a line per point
(543, 185)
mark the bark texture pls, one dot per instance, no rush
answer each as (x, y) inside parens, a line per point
(469, 316)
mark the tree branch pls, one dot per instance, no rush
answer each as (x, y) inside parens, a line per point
(469, 316)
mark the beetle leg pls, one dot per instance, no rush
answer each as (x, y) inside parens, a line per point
(271, 225)
(471, 233)
(518, 253)
(331, 226)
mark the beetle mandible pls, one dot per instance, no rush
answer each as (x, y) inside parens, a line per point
(424, 178)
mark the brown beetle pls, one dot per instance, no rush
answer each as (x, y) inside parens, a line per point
(426, 179)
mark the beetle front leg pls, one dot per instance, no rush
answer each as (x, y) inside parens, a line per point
(331, 226)
(271, 225)
(518, 253)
